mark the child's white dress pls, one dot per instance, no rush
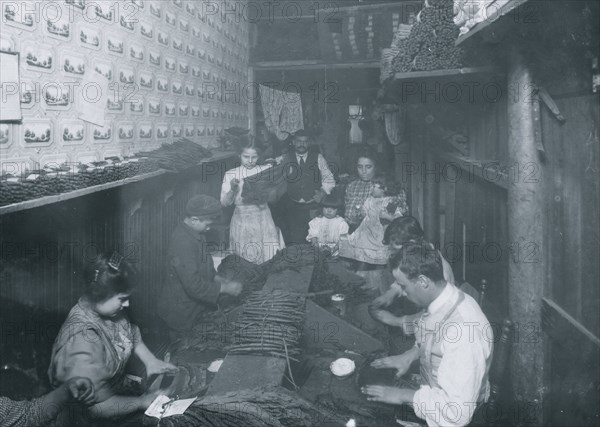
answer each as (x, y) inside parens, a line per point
(327, 230)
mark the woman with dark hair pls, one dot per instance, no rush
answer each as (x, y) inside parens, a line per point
(97, 340)
(252, 232)
(359, 190)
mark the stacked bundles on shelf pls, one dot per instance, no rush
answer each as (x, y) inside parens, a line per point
(430, 45)
(34, 184)
(180, 155)
(51, 181)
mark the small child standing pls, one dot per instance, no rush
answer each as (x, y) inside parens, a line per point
(325, 230)
(366, 243)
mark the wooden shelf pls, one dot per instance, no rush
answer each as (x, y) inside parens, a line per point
(561, 326)
(414, 75)
(312, 65)
(46, 200)
(481, 169)
(496, 14)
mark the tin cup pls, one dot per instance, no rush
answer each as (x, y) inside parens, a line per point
(339, 303)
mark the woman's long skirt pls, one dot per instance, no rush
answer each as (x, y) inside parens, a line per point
(253, 234)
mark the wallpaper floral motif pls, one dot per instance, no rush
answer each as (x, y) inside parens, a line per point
(174, 69)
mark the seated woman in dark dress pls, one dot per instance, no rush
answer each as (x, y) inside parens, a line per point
(97, 340)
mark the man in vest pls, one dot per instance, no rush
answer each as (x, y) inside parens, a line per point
(308, 180)
(453, 344)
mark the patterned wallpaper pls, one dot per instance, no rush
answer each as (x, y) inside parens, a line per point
(175, 69)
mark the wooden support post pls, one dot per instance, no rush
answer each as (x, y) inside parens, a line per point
(413, 170)
(402, 158)
(431, 201)
(527, 272)
(252, 100)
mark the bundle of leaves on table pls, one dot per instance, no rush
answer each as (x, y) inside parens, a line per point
(264, 407)
(270, 324)
(180, 155)
(293, 258)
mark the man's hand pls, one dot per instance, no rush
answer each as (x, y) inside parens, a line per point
(81, 389)
(386, 299)
(235, 185)
(401, 362)
(391, 395)
(231, 287)
(314, 241)
(386, 317)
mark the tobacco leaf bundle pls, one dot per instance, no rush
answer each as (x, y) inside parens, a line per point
(265, 187)
(270, 324)
(264, 407)
(430, 44)
(293, 257)
(180, 155)
(48, 184)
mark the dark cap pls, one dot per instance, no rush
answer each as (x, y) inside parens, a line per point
(203, 205)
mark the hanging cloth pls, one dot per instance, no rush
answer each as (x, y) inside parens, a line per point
(282, 110)
(356, 135)
(393, 125)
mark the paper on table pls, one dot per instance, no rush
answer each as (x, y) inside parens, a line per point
(163, 406)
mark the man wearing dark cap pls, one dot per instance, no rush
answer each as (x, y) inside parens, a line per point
(192, 286)
(308, 180)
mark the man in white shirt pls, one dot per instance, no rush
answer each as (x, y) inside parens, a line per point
(308, 180)
(453, 344)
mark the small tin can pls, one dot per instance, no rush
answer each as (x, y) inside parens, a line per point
(339, 303)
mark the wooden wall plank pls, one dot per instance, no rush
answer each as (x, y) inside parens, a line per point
(573, 197)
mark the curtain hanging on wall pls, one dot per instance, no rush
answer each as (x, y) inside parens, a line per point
(282, 110)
